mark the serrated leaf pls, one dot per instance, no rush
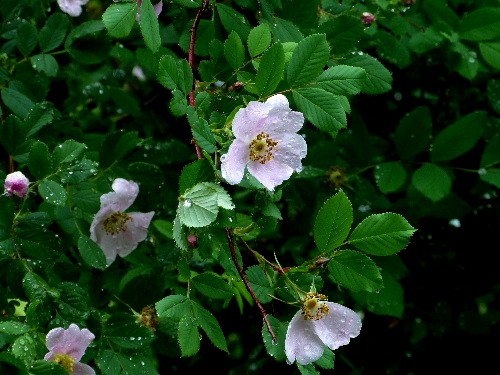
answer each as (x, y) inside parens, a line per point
(39, 160)
(260, 284)
(333, 222)
(491, 53)
(382, 234)
(233, 20)
(322, 108)
(188, 336)
(342, 80)
(275, 349)
(16, 101)
(173, 306)
(203, 135)
(212, 285)
(308, 60)
(390, 176)
(234, 50)
(53, 32)
(124, 331)
(68, 151)
(459, 137)
(210, 326)
(120, 18)
(150, 28)
(355, 271)
(343, 32)
(193, 173)
(45, 63)
(91, 253)
(168, 74)
(481, 24)
(432, 181)
(73, 301)
(270, 71)
(26, 38)
(378, 79)
(259, 39)
(52, 192)
(24, 348)
(41, 115)
(13, 328)
(413, 133)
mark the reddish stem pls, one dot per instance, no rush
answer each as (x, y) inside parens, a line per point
(247, 284)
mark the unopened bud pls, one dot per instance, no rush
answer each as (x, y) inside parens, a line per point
(367, 18)
(16, 183)
(192, 241)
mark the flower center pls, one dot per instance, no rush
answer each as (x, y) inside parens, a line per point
(314, 307)
(116, 223)
(65, 361)
(262, 147)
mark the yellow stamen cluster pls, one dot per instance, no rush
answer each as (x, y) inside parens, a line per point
(65, 361)
(116, 223)
(262, 147)
(314, 307)
(149, 317)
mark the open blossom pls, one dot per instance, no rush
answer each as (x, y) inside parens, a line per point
(67, 347)
(72, 7)
(16, 183)
(115, 231)
(158, 8)
(318, 324)
(266, 143)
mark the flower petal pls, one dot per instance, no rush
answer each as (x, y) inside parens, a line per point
(292, 148)
(280, 118)
(270, 174)
(338, 327)
(249, 121)
(233, 163)
(136, 231)
(301, 343)
(123, 196)
(71, 341)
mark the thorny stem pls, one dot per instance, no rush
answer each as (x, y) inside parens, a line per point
(259, 257)
(247, 284)
(192, 42)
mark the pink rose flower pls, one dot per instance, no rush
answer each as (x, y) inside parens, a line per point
(16, 183)
(117, 232)
(67, 347)
(318, 324)
(72, 7)
(266, 143)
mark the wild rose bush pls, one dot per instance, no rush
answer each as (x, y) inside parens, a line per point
(255, 165)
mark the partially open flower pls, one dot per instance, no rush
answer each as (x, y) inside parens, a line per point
(67, 347)
(115, 231)
(318, 324)
(72, 7)
(266, 143)
(16, 183)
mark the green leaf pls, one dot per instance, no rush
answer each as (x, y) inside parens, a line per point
(392, 49)
(9, 327)
(136, 363)
(44, 367)
(12, 133)
(458, 138)
(378, 80)
(210, 326)
(52, 192)
(270, 71)
(203, 135)
(390, 176)
(41, 115)
(333, 222)
(189, 3)
(413, 133)
(123, 330)
(68, 151)
(53, 32)
(86, 44)
(199, 205)
(120, 18)
(173, 306)
(149, 25)
(493, 91)
(382, 234)
(16, 101)
(73, 302)
(168, 73)
(432, 181)
(234, 50)
(39, 160)
(491, 176)
(276, 349)
(342, 80)
(343, 33)
(91, 253)
(45, 63)
(355, 271)
(322, 108)
(193, 173)
(259, 39)
(26, 38)
(260, 284)
(24, 347)
(212, 285)
(491, 53)
(491, 153)
(188, 336)
(233, 21)
(308, 60)
(481, 24)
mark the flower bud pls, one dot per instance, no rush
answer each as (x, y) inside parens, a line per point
(16, 183)
(192, 241)
(367, 18)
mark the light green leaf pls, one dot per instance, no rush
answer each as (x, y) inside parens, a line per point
(322, 108)
(234, 50)
(390, 176)
(259, 39)
(120, 18)
(9, 327)
(491, 53)
(308, 60)
(459, 137)
(382, 234)
(52, 192)
(150, 28)
(355, 271)
(342, 80)
(270, 71)
(174, 306)
(333, 222)
(212, 285)
(481, 24)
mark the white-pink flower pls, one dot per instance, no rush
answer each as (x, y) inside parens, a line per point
(117, 232)
(318, 324)
(67, 347)
(16, 183)
(72, 7)
(266, 143)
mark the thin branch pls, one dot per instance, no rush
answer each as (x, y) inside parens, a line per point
(247, 284)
